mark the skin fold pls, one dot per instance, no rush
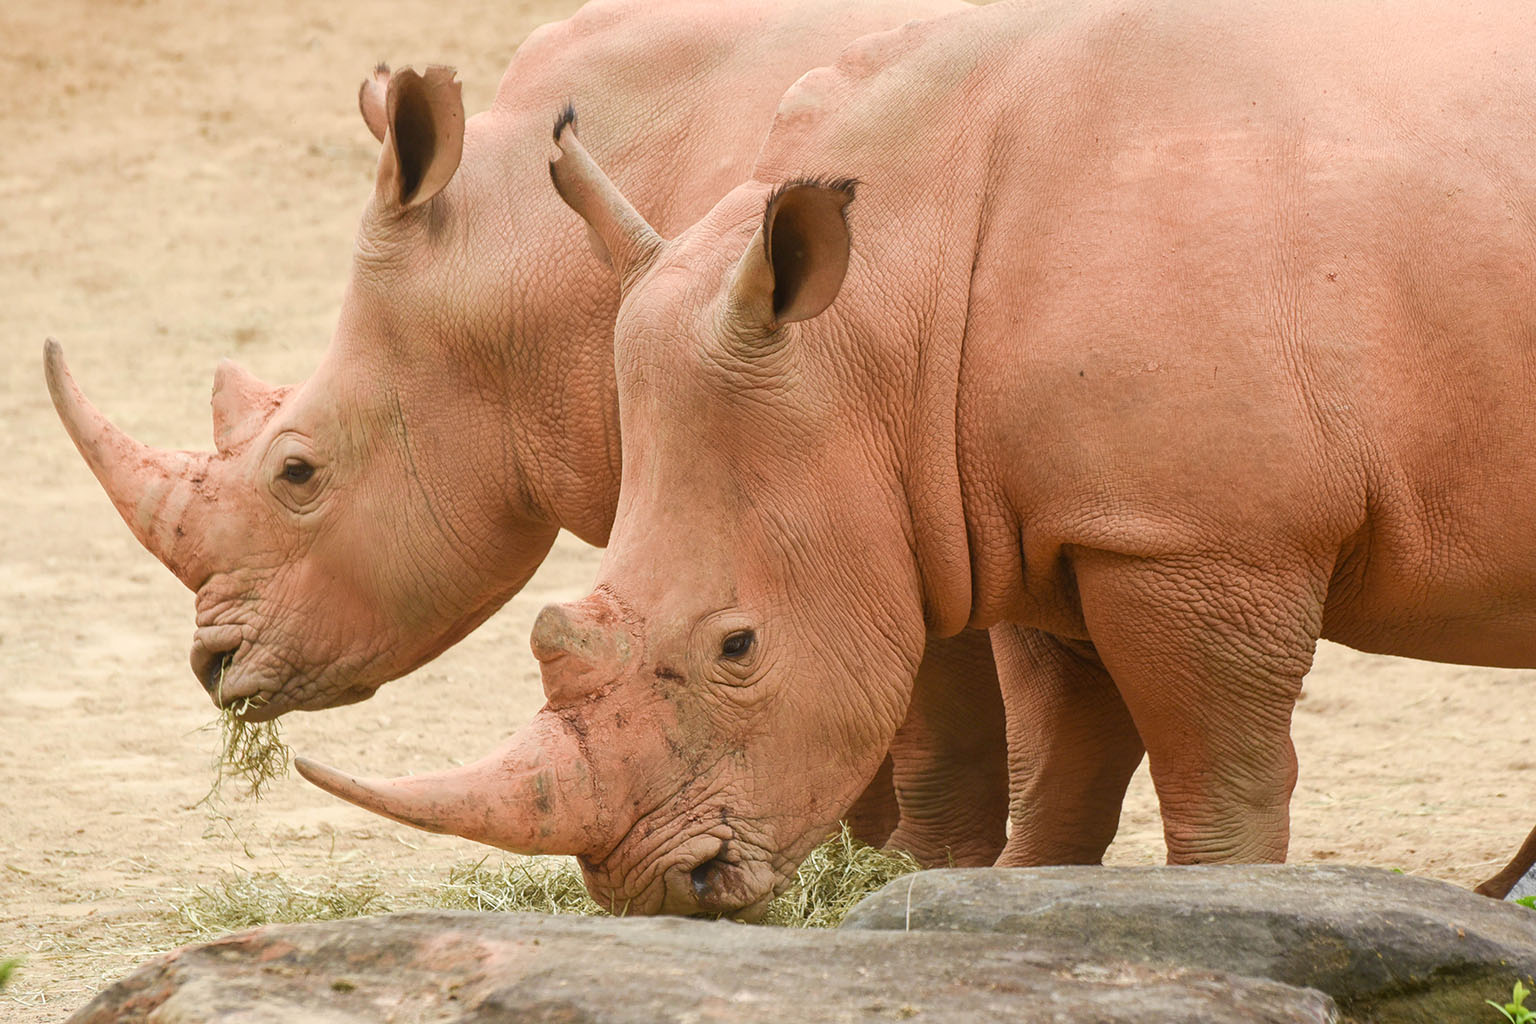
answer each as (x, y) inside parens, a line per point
(350, 528)
(1160, 339)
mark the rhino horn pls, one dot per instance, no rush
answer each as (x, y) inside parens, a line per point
(581, 646)
(532, 795)
(242, 404)
(152, 488)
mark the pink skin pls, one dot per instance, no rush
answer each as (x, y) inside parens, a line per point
(349, 529)
(683, 834)
(1181, 359)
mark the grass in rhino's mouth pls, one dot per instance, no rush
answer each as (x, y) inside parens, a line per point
(251, 752)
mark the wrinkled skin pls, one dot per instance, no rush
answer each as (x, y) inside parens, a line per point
(351, 528)
(1172, 338)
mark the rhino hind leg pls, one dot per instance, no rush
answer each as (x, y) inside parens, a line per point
(1499, 886)
(1208, 654)
(1072, 749)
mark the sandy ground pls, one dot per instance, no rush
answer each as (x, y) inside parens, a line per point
(178, 186)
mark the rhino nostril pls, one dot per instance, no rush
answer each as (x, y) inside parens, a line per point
(705, 877)
(210, 667)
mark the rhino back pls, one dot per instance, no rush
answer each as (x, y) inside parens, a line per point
(675, 96)
(1211, 271)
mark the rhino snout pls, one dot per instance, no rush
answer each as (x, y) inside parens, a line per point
(723, 885)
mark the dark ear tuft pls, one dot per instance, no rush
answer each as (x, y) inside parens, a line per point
(381, 68)
(567, 119)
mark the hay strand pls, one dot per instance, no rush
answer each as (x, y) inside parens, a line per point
(835, 877)
(253, 753)
(540, 885)
(243, 901)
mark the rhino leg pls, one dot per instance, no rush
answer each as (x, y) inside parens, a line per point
(874, 815)
(1520, 865)
(950, 758)
(1209, 653)
(1072, 748)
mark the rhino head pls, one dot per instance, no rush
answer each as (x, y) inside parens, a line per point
(346, 530)
(734, 681)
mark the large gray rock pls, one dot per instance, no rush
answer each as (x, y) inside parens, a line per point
(465, 967)
(1387, 947)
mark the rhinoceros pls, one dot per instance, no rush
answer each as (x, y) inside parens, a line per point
(1162, 338)
(349, 529)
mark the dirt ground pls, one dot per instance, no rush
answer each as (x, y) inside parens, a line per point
(177, 186)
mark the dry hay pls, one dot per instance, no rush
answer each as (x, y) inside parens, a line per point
(836, 875)
(245, 901)
(540, 885)
(833, 878)
(251, 752)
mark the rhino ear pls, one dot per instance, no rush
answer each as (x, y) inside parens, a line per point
(372, 98)
(619, 236)
(424, 135)
(795, 265)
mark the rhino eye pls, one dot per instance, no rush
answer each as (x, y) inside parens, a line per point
(737, 644)
(297, 471)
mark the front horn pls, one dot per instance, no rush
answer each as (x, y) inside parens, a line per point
(533, 795)
(153, 489)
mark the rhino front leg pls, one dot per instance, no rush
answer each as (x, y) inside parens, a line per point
(1072, 748)
(874, 816)
(1208, 655)
(949, 760)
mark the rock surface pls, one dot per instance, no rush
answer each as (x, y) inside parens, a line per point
(1387, 947)
(466, 967)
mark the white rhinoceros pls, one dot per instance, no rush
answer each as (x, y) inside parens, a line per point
(1162, 339)
(353, 527)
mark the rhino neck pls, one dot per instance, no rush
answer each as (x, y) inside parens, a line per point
(739, 58)
(562, 417)
(931, 343)
(933, 482)
(537, 341)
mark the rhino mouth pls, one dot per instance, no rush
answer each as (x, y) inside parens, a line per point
(729, 885)
(214, 660)
(717, 875)
(211, 668)
(719, 886)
